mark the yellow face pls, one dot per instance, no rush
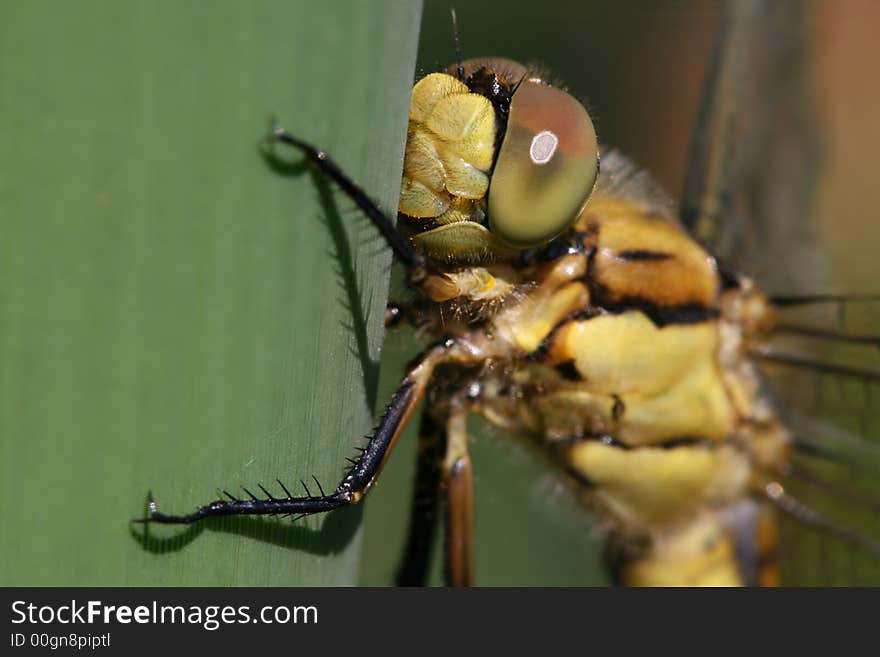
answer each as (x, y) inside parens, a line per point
(497, 162)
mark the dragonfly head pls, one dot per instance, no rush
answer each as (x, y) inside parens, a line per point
(497, 161)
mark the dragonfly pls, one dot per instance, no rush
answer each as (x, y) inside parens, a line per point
(573, 302)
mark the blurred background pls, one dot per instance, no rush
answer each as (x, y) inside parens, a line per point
(639, 67)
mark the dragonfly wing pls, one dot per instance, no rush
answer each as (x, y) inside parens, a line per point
(749, 192)
(824, 374)
(754, 153)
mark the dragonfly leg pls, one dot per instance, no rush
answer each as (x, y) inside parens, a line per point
(364, 471)
(413, 570)
(444, 467)
(399, 243)
(458, 482)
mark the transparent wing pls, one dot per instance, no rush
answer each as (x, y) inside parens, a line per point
(823, 370)
(754, 152)
(752, 175)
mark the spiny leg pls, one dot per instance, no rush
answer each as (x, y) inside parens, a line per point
(364, 471)
(413, 570)
(399, 243)
(350, 490)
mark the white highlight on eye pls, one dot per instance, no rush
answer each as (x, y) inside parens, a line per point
(543, 147)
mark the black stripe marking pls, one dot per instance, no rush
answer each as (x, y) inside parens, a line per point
(660, 315)
(689, 313)
(636, 255)
(579, 315)
(609, 440)
(568, 371)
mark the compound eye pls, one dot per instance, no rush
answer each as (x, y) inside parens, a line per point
(546, 167)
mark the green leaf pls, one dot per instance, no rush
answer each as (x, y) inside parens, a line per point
(177, 312)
